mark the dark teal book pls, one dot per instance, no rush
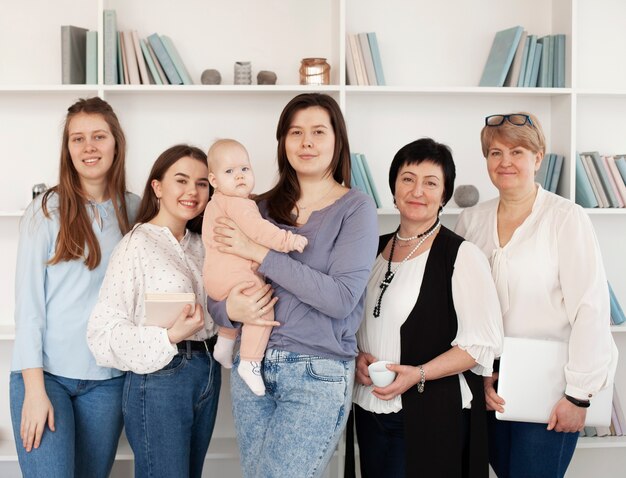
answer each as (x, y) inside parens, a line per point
(501, 56)
(530, 61)
(603, 174)
(91, 58)
(542, 172)
(522, 73)
(620, 162)
(356, 180)
(164, 59)
(544, 66)
(560, 60)
(551, 62)
(534, 75)
(370, 180)
(378, 64)
(617, 314)
(358, 163)
(548, 178)
(556, 173)
(584, 191)
(177, 60)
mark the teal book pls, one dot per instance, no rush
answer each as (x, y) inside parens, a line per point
(584, 190)
(73, 55)
(534, 74)
(370, 179)
(620, 162)
(150, 62)
(177, 60)
(542, 172)
(603, 174)
(556, 173)
(530, 61)
(560, 61)
(551, 62)
(110, 48)
(544, 68)
(548, 178)
(617, 314)
(501, 56)
(356, 177)
(358, 162)
(378, 64)
(164, 59)
(91, 58)
(522, 73)
(512, 76)
(120, 59)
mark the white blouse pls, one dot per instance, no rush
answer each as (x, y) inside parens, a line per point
(147, 259)
(551, 283)
(475, 301)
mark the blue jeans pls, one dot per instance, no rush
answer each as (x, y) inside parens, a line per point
(294, 429)
(88, 422)
(381, 443)
(520, 450)
(169, 415)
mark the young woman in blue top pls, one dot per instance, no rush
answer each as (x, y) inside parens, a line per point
(308, 367)
(66, 410)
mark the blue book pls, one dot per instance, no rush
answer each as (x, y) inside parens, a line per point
(164, 59)
(560, 61)
(530, 61)
(110, 47)
(501, 56)
(548, 178)
(542, 81)
(556, 172)
(542, 173)
(617, 314)
(356, 179)
(534, 75)
(551, 62)
(177, 60)
(603, 174)
(358, 163)
(584, 191)
(370, 180)
(150, 62)
(620, 162)
(378, 65)
(522, 73)
(91, 60)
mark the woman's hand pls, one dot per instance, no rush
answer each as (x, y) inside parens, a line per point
(407, 376)
(37, 410)
(567, 417)
(186, 324)
(248, 305)
(234, 241)
(363, 360)
(493, 401)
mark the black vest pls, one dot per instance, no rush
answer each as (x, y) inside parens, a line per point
(433, 422)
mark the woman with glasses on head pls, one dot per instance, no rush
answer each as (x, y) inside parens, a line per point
(548, 270)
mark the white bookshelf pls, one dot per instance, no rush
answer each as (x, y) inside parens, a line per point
(433, 54)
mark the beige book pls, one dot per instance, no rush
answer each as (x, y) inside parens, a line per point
(162, 309)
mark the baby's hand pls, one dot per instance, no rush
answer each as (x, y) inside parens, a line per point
(299, 242)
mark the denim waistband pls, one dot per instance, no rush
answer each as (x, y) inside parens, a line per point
(276, 355)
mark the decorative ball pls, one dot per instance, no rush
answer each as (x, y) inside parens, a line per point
(466, 195)
(266, 77)
(211, 77)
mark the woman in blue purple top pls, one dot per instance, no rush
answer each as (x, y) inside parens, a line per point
(309, 365)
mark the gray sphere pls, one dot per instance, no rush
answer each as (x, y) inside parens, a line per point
(211, 77)
(266, 77)
(466, 195)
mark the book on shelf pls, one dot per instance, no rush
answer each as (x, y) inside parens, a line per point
(110, 47)
(584, 191)
(534, 72)
(155, 60)
(130, 64)
(122, 75)
(551, 57)
(590, 431)
(620, 162)
(361, 177)
(530, 60)
(177, 60)
(367, 59)
(559, 60)
(619, 411)
(350, 71)
(541, 176)
(162, 309)
(544, 65)
(73, 55)
(141, 63)
(361, 75)
(154, 73)
(378, 64)
(513, 75)
(524, 62)
(91, 58)
(614, 421)
(595, 181)
(604, 178)
(370, 179)
(501, 56)
(617, 313)
(356, 180)
(556, 173)
(164, 59)
(617, 179)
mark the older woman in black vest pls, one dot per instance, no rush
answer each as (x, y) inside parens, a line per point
(432, 310)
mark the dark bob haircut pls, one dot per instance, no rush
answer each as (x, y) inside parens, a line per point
(425, 149)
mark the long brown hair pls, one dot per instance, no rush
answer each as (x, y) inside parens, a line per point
(75, 232)
(149, 206)
(281, 199)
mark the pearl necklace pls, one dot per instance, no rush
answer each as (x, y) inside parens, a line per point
(389, 275)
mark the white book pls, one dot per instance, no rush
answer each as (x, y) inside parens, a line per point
(162, 309)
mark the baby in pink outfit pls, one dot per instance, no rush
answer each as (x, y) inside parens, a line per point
(230, 173)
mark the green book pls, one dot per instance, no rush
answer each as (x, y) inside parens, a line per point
(501, 56)
(73, 55)
(91, 58)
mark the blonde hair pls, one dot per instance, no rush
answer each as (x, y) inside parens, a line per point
(528, 136)
(211, 154)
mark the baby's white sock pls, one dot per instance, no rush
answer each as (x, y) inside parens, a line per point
(250, 372)
(223, 351)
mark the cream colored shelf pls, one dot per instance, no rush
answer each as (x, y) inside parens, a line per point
(601, 442)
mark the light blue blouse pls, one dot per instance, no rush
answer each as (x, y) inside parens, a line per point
(53, 302)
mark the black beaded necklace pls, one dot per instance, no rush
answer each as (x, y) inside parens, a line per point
(389, 275)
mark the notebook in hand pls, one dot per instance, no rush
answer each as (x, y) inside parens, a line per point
(162, 309)
(532, 381)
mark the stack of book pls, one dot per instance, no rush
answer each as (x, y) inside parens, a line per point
(617, 428)
(617, 314)
(550, 171)
(519, 59)
(600, 180)
(361, 177)
(363, 64)
(129, 59)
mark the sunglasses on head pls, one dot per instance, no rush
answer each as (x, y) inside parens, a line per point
(515, 119)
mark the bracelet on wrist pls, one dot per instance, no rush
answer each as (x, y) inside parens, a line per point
(420, 384)
(577, 402)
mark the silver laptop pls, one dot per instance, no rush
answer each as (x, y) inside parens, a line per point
(532, 381)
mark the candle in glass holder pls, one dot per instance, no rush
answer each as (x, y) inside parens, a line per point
(314, 71)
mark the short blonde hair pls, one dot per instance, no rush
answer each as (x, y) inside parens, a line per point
(528, 136)
(211, 154)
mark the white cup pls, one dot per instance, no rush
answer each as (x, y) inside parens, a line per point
(380, 375)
